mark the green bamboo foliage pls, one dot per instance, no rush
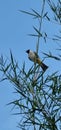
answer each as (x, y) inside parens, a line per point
(39, 98)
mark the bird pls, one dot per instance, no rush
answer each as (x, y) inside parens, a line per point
(33, 56)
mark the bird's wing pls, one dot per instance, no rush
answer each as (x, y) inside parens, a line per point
(36, 55)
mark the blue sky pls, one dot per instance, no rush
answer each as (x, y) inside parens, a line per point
(14, 27)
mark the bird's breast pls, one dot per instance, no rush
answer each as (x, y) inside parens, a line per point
(31, 56)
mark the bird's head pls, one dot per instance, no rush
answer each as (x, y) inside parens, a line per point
(27, 51)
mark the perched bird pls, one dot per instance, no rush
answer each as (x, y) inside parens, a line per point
(33, 56)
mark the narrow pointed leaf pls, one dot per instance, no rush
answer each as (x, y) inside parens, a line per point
(51, 56)
(34, 35)
(7, 68)
(45, 14)
(37, 31)
(27, 13)
(37, 14)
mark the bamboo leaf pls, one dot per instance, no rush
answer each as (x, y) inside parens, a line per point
(45, 14)
(12, 60)
(51, 56)
(27, 13)
(34, 35)
(37, 31)
(3, 79)
(48, 18)
(37, 14)
(6, 69)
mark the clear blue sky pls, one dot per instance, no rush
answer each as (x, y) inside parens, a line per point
(14, 27)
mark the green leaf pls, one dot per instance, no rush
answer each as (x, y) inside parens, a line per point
(33, 35)
(51, 56)
(12, 60)
(30, 71)
(37, 31)
(6, 69)
(45, 14)
(48, 18)
(27, 13)
(3, 79)
(37, 14)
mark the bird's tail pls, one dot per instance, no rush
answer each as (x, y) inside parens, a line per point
(43, 66)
